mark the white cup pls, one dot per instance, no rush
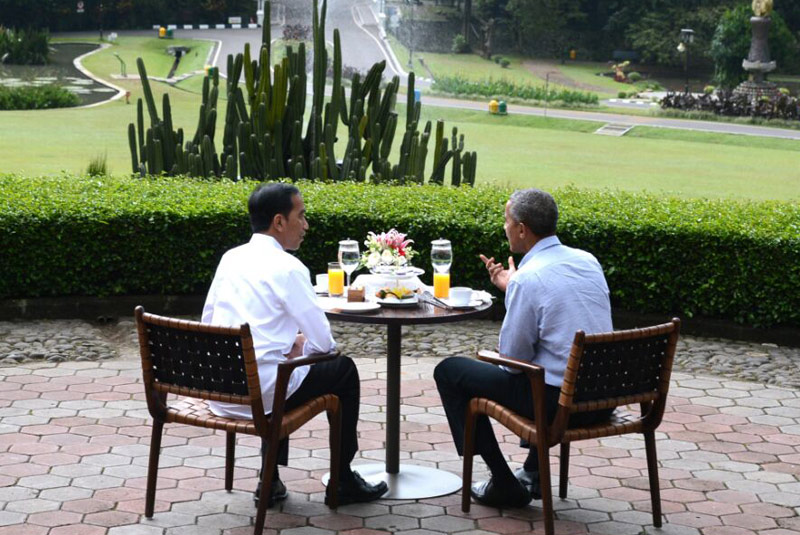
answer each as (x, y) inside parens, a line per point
(322, 281)
(460, 296)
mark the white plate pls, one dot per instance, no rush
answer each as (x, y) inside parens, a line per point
(472, 304)
(399, 303)
(358, 308)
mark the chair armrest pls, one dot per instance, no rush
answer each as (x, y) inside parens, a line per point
(307, 360)
(533, 370)
(282, 382)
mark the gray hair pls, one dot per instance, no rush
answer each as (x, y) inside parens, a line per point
(536, 208)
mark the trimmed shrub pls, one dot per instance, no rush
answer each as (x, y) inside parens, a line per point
(457, 85)
(36, 97)
(68, 235)
(634, 77)
(460, 45)
(504, 62)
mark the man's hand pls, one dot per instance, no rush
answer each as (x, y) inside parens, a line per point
(297, 347)
(497, 273)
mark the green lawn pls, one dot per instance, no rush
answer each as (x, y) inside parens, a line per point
(527, 152)
(154, 53)
(518, 150)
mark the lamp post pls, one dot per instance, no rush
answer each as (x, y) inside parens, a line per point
(687, 38)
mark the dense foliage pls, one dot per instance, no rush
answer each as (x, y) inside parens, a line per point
(72, 235)
(36, 97)
(597, 28)
(457, 85)
(726, 103)
(24, 47)
(731, 44)
(62, 15)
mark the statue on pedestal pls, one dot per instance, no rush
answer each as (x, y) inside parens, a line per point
(758, 62)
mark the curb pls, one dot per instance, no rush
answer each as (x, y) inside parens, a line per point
(250, 26)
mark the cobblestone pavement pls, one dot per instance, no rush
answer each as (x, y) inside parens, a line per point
(74, 436)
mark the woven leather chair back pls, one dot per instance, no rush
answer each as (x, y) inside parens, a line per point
(200, 360)
(194, 359)
(611, 369)
(622, 368)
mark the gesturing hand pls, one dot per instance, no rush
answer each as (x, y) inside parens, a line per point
(497, 273)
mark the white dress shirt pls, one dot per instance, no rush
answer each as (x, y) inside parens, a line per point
(260, 284)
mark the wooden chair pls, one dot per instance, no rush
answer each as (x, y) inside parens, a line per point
(604, 371)
(207, 362)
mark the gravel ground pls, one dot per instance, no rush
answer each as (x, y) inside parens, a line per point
(60, 340)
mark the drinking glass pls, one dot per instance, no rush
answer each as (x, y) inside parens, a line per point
(349, 257)
(442, 259)
(335, 279)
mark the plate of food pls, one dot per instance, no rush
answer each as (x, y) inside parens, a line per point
(398, 297)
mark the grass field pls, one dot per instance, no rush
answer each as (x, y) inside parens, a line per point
(516, 150)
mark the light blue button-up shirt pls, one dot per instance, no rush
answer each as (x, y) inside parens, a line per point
(556, 291)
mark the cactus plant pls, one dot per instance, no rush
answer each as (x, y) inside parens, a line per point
(265, 135)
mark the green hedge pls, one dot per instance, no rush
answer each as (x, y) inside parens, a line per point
(37, 97)
(70, 235)
(458, 85)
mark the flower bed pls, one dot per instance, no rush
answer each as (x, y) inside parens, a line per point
(70, 235)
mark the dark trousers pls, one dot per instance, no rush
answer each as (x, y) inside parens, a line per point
(460, 379)
(339, 377)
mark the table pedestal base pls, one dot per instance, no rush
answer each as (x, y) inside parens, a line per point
(412, 482)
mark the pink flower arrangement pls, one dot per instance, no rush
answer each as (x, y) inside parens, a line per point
(387, 249)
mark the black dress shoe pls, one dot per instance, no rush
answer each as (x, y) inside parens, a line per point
(511, 495)
(357, 490)
(529, 480)
(278, 493)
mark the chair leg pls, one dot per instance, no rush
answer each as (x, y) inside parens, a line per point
(335, 442)
(652, 473)
(547, 490)
(563, 475)
(230, 453)
(152, 468)
(469, 447)
(266, 487)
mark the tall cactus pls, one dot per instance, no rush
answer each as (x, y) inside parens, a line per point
(268, 133)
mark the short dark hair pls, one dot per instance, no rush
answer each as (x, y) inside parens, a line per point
(267, 201)
(537, 209)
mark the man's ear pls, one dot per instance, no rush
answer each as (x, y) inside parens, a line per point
(278, 222)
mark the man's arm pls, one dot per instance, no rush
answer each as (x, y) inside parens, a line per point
(302, 306)
(520, 330)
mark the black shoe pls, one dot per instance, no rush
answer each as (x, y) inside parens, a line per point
(357, 490)
(504, 496)
(529, 480)
(278, 493)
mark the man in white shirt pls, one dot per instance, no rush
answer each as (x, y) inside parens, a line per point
(261, 284)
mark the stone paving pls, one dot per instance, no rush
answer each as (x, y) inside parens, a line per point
(74, 441)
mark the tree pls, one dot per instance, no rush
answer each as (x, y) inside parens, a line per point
(731, 44)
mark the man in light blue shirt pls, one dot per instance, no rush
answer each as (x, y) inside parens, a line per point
(556, 291)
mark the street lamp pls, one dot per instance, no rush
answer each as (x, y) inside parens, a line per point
(687, 38)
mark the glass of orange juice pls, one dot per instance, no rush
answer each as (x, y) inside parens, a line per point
(335, 279)
(442, 259)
